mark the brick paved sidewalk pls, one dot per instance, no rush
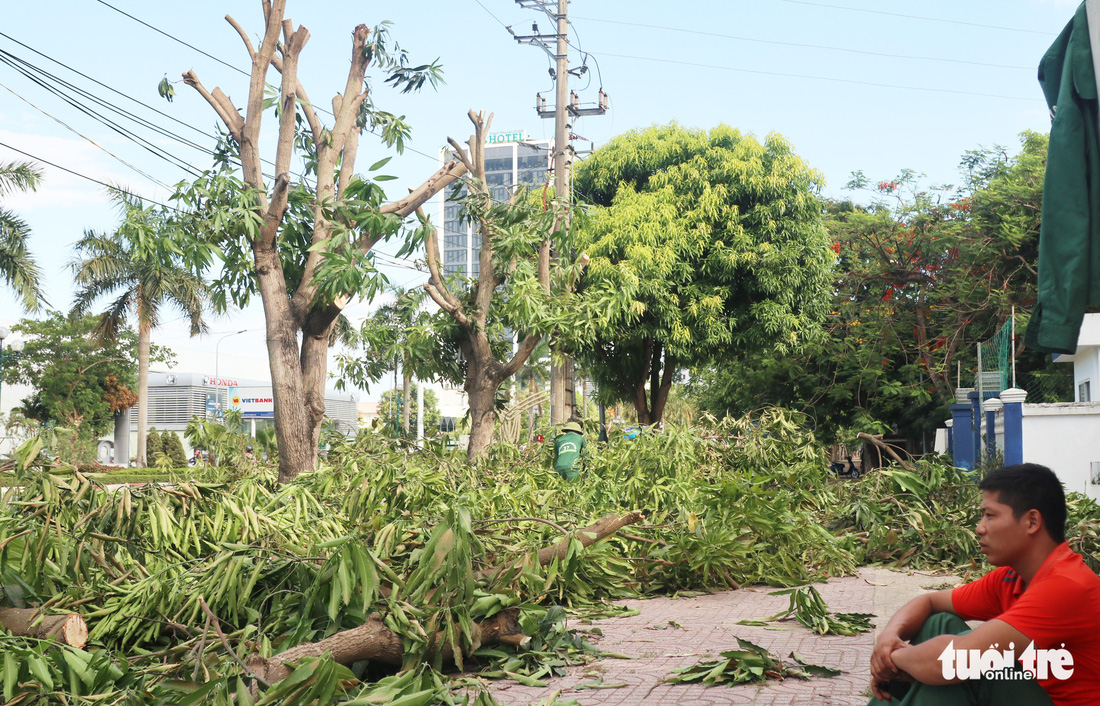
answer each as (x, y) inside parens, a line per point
(709, 626)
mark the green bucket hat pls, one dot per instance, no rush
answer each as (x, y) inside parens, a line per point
(572, 426)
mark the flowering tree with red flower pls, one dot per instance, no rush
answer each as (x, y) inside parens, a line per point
(922, 274)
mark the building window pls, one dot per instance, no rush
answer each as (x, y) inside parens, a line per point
(1084, 393)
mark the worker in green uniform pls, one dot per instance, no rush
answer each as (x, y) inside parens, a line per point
(568, 449)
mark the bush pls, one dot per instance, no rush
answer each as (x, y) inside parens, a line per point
(153, 445)
(172, 446)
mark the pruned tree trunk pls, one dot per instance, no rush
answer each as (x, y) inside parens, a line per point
(298, 371)
(481, 393)
(406, 394)
(484, 373)
(641, 400)
(144, 335)
(69, 628)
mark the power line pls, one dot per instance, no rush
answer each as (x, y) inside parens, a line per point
(109, 88)
(42, 78)
(917, 17)
(93, 142)
(819, 78)
(173, 38)
(319, 108)
(84, 176)
(26, 68)
(804, 46)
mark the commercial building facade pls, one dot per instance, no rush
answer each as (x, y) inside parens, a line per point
(175, 398)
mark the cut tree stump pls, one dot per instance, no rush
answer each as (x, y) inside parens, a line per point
(69, 628)
(374, 641)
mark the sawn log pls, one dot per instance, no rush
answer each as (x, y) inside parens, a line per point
(69, 628)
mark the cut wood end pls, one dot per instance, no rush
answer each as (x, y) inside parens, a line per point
(74, 631)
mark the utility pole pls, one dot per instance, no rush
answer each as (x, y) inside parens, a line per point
(562, 399)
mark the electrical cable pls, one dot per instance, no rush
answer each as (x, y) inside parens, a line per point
(806, 46)
(112, 187)
(174, 39)
(29, 73)
(130, 98)
(241, 71)
(93, 142)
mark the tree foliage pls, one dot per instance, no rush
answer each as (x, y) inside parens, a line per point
(303, 241)
(146, 264)
(487, 327)
(18, 268)
(78, 380)
(390, 412)
(724, 236)
(922, 274)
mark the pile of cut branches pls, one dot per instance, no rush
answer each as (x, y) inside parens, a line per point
(237, 589)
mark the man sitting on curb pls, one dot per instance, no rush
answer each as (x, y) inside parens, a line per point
(1041, 608)
(568, 449)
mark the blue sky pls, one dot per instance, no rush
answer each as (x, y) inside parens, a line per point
(853, 84)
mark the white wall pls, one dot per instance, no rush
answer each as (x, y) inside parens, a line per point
(1087, 367)
(1065, 436)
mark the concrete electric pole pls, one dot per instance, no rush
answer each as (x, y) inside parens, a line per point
(562, 400)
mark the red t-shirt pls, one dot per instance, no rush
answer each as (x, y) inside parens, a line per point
(1060, 607)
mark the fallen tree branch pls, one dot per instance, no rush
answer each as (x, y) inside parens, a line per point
(587, 536)
(69, 628)
(374, 641)
(887, 448)
(523, 519)
(225, 643)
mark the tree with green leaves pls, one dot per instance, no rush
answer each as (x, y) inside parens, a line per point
(78, 380)
(18, 268)
(391, 338)
(487, 327)
(303, 241)
(172, 446)
(921, 275)
(153, 444)
(724, 235)
(141, 265)
(391, 412)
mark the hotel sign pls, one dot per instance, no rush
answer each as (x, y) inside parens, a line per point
(496, 138)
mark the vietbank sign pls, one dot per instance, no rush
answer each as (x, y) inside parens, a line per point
(252, 402)
(496, 138)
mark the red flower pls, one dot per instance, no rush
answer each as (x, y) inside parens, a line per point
(836, 248)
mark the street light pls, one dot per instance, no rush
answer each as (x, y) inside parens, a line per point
(217, 345)
(217, 360)
(14, 348)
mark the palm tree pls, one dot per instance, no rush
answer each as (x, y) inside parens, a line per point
(141, 267)
(17, 267)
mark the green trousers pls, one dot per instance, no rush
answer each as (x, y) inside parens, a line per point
(973, 692)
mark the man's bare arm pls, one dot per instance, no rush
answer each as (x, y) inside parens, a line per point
(922, 661)
(898, 631)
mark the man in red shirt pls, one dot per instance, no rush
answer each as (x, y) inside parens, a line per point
(1041, 608)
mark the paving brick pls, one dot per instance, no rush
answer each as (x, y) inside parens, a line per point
(708, 625)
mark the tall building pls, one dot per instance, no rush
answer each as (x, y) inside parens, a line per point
(511, 160)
